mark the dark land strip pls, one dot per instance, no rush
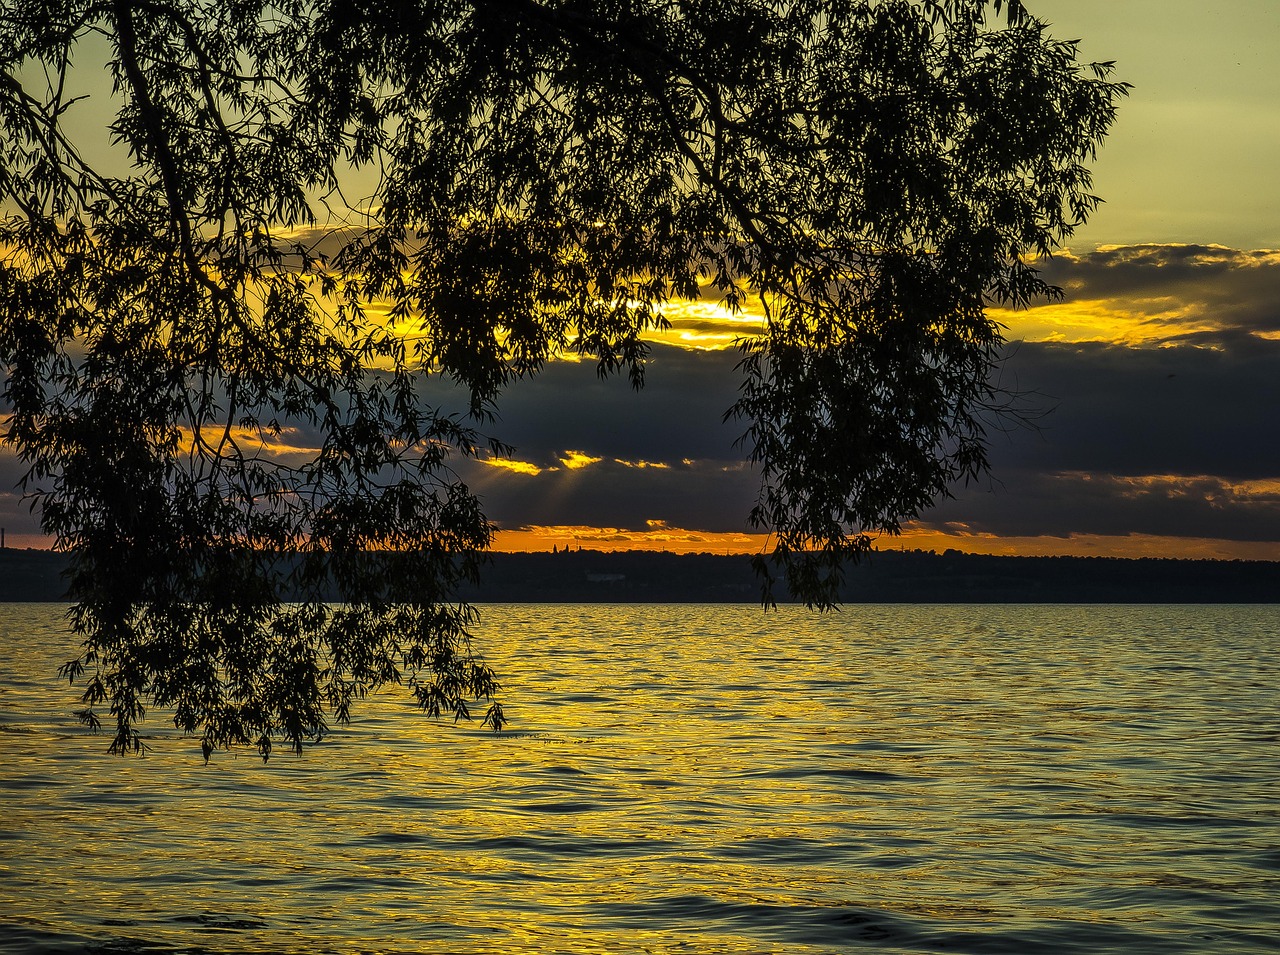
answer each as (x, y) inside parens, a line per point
(585, 576)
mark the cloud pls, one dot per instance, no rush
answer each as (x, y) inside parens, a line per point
(609, 456)
(707, 324)
(577, 460)
(1161, 414)
(516, 467)
(1031, 503)
(1161, 420)
(678, 414)
(699, 496)
(1182, 408)
(1156, 294)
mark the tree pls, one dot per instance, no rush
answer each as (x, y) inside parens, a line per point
(541, 177)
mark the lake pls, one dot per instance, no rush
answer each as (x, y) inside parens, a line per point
(693, 779)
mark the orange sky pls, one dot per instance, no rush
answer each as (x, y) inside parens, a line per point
(676, 541)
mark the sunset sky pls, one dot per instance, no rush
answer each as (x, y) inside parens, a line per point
(1154, 386)
(1159, 376)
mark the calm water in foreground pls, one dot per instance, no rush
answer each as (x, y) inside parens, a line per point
(692, 779)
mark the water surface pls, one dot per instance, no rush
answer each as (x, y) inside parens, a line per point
(693, 779)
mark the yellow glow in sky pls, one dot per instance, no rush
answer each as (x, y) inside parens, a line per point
(657, 536)
(682, 541)
(516, 467)
(1192, 157)
(576, 460)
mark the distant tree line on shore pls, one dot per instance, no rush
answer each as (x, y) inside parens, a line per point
(588, 576)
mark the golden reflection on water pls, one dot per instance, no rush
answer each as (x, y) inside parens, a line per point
(705, 778)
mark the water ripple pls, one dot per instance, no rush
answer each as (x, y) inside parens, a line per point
(697, 779)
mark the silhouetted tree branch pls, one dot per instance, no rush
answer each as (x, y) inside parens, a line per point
(545, 176)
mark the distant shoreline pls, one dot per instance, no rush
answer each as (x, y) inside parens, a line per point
(650, 577)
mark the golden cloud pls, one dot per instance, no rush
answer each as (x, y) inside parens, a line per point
(576, 460)
(1114, 322)
(270, 442)
(516, 467)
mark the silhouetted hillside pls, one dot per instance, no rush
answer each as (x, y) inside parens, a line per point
(888, 577)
